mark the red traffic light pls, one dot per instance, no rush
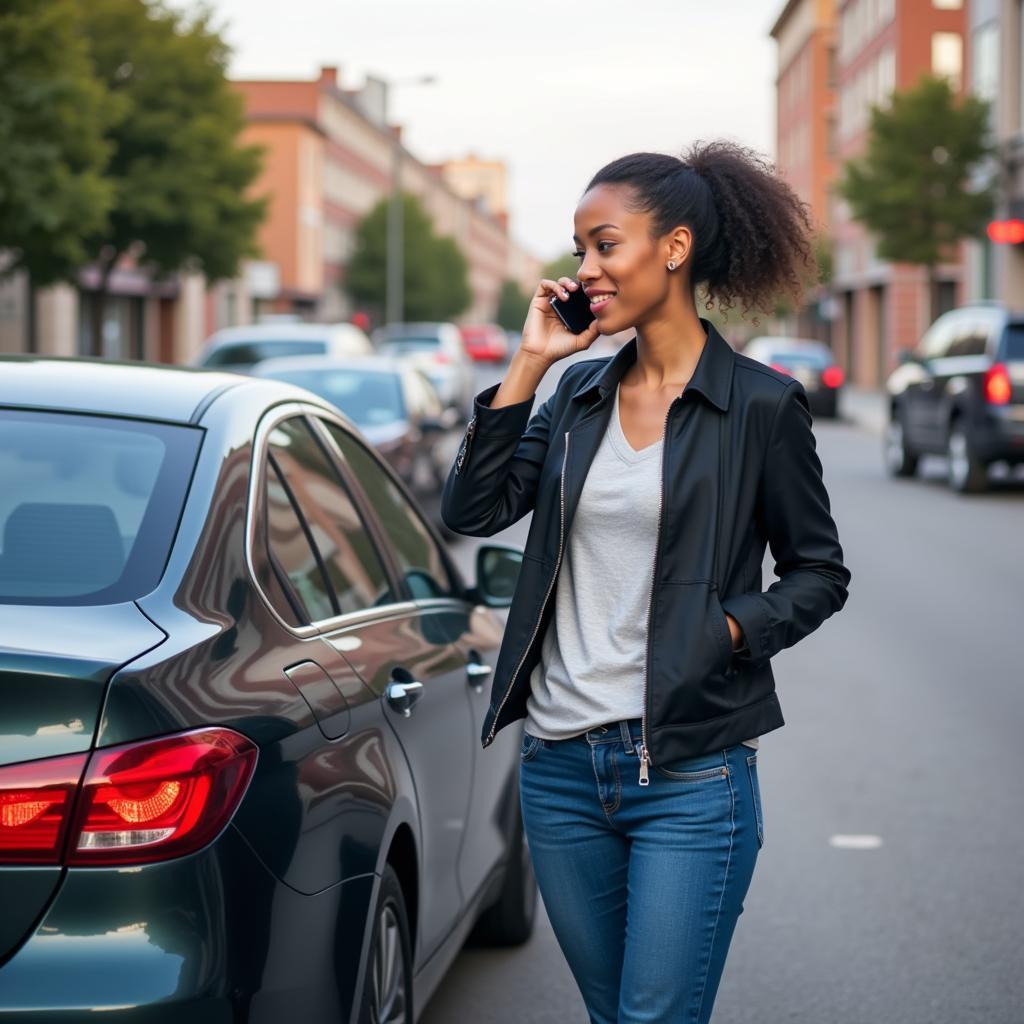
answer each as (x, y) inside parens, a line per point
(1006, 232)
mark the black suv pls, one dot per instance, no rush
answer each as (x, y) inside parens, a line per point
(960, 393)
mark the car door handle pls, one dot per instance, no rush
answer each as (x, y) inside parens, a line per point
(403, 695)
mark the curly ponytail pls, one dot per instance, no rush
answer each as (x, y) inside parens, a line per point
(752, 234)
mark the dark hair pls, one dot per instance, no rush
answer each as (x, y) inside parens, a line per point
(752, 234)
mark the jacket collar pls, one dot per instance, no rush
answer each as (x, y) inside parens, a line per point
(712, 378)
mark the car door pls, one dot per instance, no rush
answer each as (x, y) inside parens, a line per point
(410, 658)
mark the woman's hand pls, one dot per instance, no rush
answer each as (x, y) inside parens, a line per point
(545, 337)
(734, 632)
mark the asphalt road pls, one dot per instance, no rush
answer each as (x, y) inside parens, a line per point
(905, 720)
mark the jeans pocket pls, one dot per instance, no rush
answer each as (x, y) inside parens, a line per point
(702, 768)
(755, 790)
(531, 744)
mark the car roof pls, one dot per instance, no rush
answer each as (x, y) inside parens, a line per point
(102, 386)
(284, 331)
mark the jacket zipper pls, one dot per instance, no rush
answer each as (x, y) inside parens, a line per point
(645, 757)
(464, 452)
(554, 576)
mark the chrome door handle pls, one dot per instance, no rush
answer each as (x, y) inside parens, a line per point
(402, 696)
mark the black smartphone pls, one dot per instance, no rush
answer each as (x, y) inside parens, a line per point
(574, 311)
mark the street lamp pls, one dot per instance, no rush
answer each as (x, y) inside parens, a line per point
(395, 268)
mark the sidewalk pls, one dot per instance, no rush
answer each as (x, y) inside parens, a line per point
(864, 408)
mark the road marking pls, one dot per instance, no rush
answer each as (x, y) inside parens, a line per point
(865, 842)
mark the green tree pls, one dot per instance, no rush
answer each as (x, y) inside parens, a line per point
(53, 114)
(435, 275)
(513, 306)
(912, 188)
(563, 266)
(179, 176)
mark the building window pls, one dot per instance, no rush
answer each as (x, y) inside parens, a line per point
(947, 5)
(948, 56)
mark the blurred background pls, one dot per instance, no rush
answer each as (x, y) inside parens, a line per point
(361, 197)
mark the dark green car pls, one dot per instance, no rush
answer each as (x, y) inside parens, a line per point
(241, 694)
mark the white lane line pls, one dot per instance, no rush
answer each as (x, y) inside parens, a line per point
(853, 842)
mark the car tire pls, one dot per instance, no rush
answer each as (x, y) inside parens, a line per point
(387, 988)
(900, 461)
(509, 921)
(967, 473)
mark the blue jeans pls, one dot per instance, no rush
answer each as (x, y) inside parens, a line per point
(643, 884)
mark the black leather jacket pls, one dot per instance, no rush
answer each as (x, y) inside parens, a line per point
(739, 471)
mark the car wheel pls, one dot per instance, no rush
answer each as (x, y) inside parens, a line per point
(387, 990)
(509, 921)
(967, 474)
(899, 460)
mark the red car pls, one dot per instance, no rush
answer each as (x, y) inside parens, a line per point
(485, 343)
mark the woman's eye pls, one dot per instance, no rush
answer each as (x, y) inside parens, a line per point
(600, 244)
(578, 255)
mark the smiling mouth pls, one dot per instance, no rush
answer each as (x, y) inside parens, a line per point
(600, 301)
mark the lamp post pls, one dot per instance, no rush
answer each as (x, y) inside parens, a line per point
(396, 241)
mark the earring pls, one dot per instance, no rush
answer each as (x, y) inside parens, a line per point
(671, 264)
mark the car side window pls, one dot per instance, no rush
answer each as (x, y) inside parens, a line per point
(418, 556)
(335, 531)
(941, 336)
(292, 556)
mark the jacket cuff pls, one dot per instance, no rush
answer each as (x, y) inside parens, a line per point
(508, 421)
(750, 611)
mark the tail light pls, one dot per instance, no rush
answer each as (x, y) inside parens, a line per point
(997, 385)
(36, 799)
(832, 377)
(136, 804)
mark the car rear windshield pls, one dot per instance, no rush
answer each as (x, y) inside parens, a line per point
(798, 359)
(403, 345)
(89, 505)
(248, 353)
(1013, 342)
(369, 398)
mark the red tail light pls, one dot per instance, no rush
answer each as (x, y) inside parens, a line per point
(832, 377)
(138, 803)
(998, 387)
(35, 805)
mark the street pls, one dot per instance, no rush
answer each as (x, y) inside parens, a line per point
(904, 713)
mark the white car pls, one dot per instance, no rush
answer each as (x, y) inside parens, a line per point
(438, 351)
(239, 349)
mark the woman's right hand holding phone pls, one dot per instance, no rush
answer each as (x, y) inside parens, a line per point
(545, 337)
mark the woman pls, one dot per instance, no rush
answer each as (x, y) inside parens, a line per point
(639, 640)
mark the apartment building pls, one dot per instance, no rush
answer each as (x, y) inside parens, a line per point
(995, 71)
(331, 156)
(805, 142)
(883, 45)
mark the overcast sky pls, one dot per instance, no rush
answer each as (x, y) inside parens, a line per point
(555, 90)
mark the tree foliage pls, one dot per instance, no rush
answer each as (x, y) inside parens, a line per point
(563, 266)
(912, 187)
(179, 176)
(434, 271)
(53, 115)
(513, 306)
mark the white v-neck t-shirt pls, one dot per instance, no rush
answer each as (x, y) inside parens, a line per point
(592, 663)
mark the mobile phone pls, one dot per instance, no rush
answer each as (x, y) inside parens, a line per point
(574, 311)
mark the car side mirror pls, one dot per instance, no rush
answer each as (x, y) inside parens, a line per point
(448, 420)
(497, 571)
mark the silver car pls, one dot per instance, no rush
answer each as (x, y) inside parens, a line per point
(239, 349)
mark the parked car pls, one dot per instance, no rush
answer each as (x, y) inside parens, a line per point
(239, 349)
(396, 408)
(241, 695)
(486, 343)
(810, 362)
(436, 349)
(961, 393)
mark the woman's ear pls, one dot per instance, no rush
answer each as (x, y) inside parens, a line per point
(679, 244)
